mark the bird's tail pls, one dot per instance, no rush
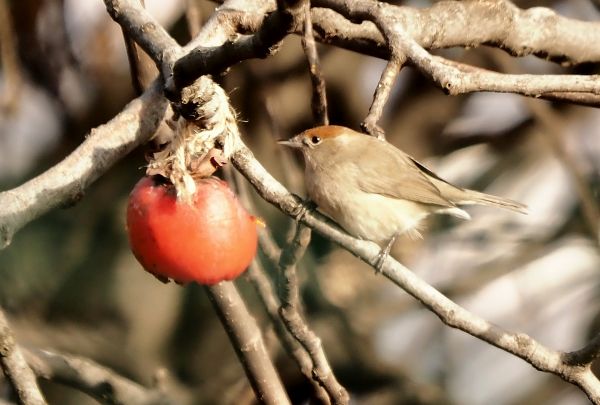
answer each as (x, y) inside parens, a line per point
(475, 197)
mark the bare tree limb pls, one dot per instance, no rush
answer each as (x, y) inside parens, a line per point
(140, 65)
(497, 23)
(411, 36)
(403, 41)
(382, 93)
(247, 341)
(257, 276)
(333, 28)
(453, 315)
(233, 17)
(146, 32)
(14, 366)
(65, 183)
(580, 98)
(134, 61)
(290, 314)
(262, 285)
(99, 382)
(319, 94)
(407, 36)
(263, 43)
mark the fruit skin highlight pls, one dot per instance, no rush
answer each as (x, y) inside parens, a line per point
(208, 240)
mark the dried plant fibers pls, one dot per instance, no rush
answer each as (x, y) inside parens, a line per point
(208, 133)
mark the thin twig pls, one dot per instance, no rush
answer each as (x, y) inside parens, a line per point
(290, 314)
(264, 289)
(206, 60)
(66, 182)
(498, 23)
(247, 341)
(15, 368)
(146, 32)
(11, 69)
(134, 64)
(257, 276)
(134, 60)
(382, 93)
(319, 93)
(402, 40)
(453, 315)
(85, 375)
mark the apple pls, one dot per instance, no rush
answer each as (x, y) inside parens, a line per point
(207, 240)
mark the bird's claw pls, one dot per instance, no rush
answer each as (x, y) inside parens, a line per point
(303, 207)
(381, 257)
(383, 254)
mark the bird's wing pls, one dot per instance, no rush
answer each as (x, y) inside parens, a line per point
(402, 177)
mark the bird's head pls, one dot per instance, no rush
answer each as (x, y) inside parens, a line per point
(321, 143)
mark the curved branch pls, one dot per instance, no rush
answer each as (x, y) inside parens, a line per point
(66, 182)
(319, 89)
(206, 60)
(146, 31)
(290, 312)
(537, 31)
(427, 28)
(450, 313)
(247, 341)
(405, 37)
(95, 380)
(14, 366)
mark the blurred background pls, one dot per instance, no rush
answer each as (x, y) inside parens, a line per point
(69, 281)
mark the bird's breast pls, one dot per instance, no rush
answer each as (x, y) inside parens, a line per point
(365, 215)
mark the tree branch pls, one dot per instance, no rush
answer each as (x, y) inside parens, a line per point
(99, 382)
(146, 32)
(15, 367)
(382, 93)
(453, 315)
(319, 94)
(296, 325)
(411, 31)
(246, 339)
(402, 39)
(65, 183)
(497, 23)
(262, 285)
(263, 43)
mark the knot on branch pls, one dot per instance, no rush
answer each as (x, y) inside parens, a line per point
(205, 136)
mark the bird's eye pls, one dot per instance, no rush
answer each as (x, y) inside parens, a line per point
(315, 139)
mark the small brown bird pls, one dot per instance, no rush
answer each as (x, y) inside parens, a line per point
(373, 189)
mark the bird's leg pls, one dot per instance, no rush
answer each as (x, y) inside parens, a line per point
(384, 253)
(303, 207)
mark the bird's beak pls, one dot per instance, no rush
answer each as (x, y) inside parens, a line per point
(292, 143)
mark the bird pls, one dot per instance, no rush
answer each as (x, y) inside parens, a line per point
(376, 191)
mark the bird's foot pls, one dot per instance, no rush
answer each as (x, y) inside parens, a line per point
(305, 206)
(383, 255)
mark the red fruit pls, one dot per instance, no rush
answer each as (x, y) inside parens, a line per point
(211, 239)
